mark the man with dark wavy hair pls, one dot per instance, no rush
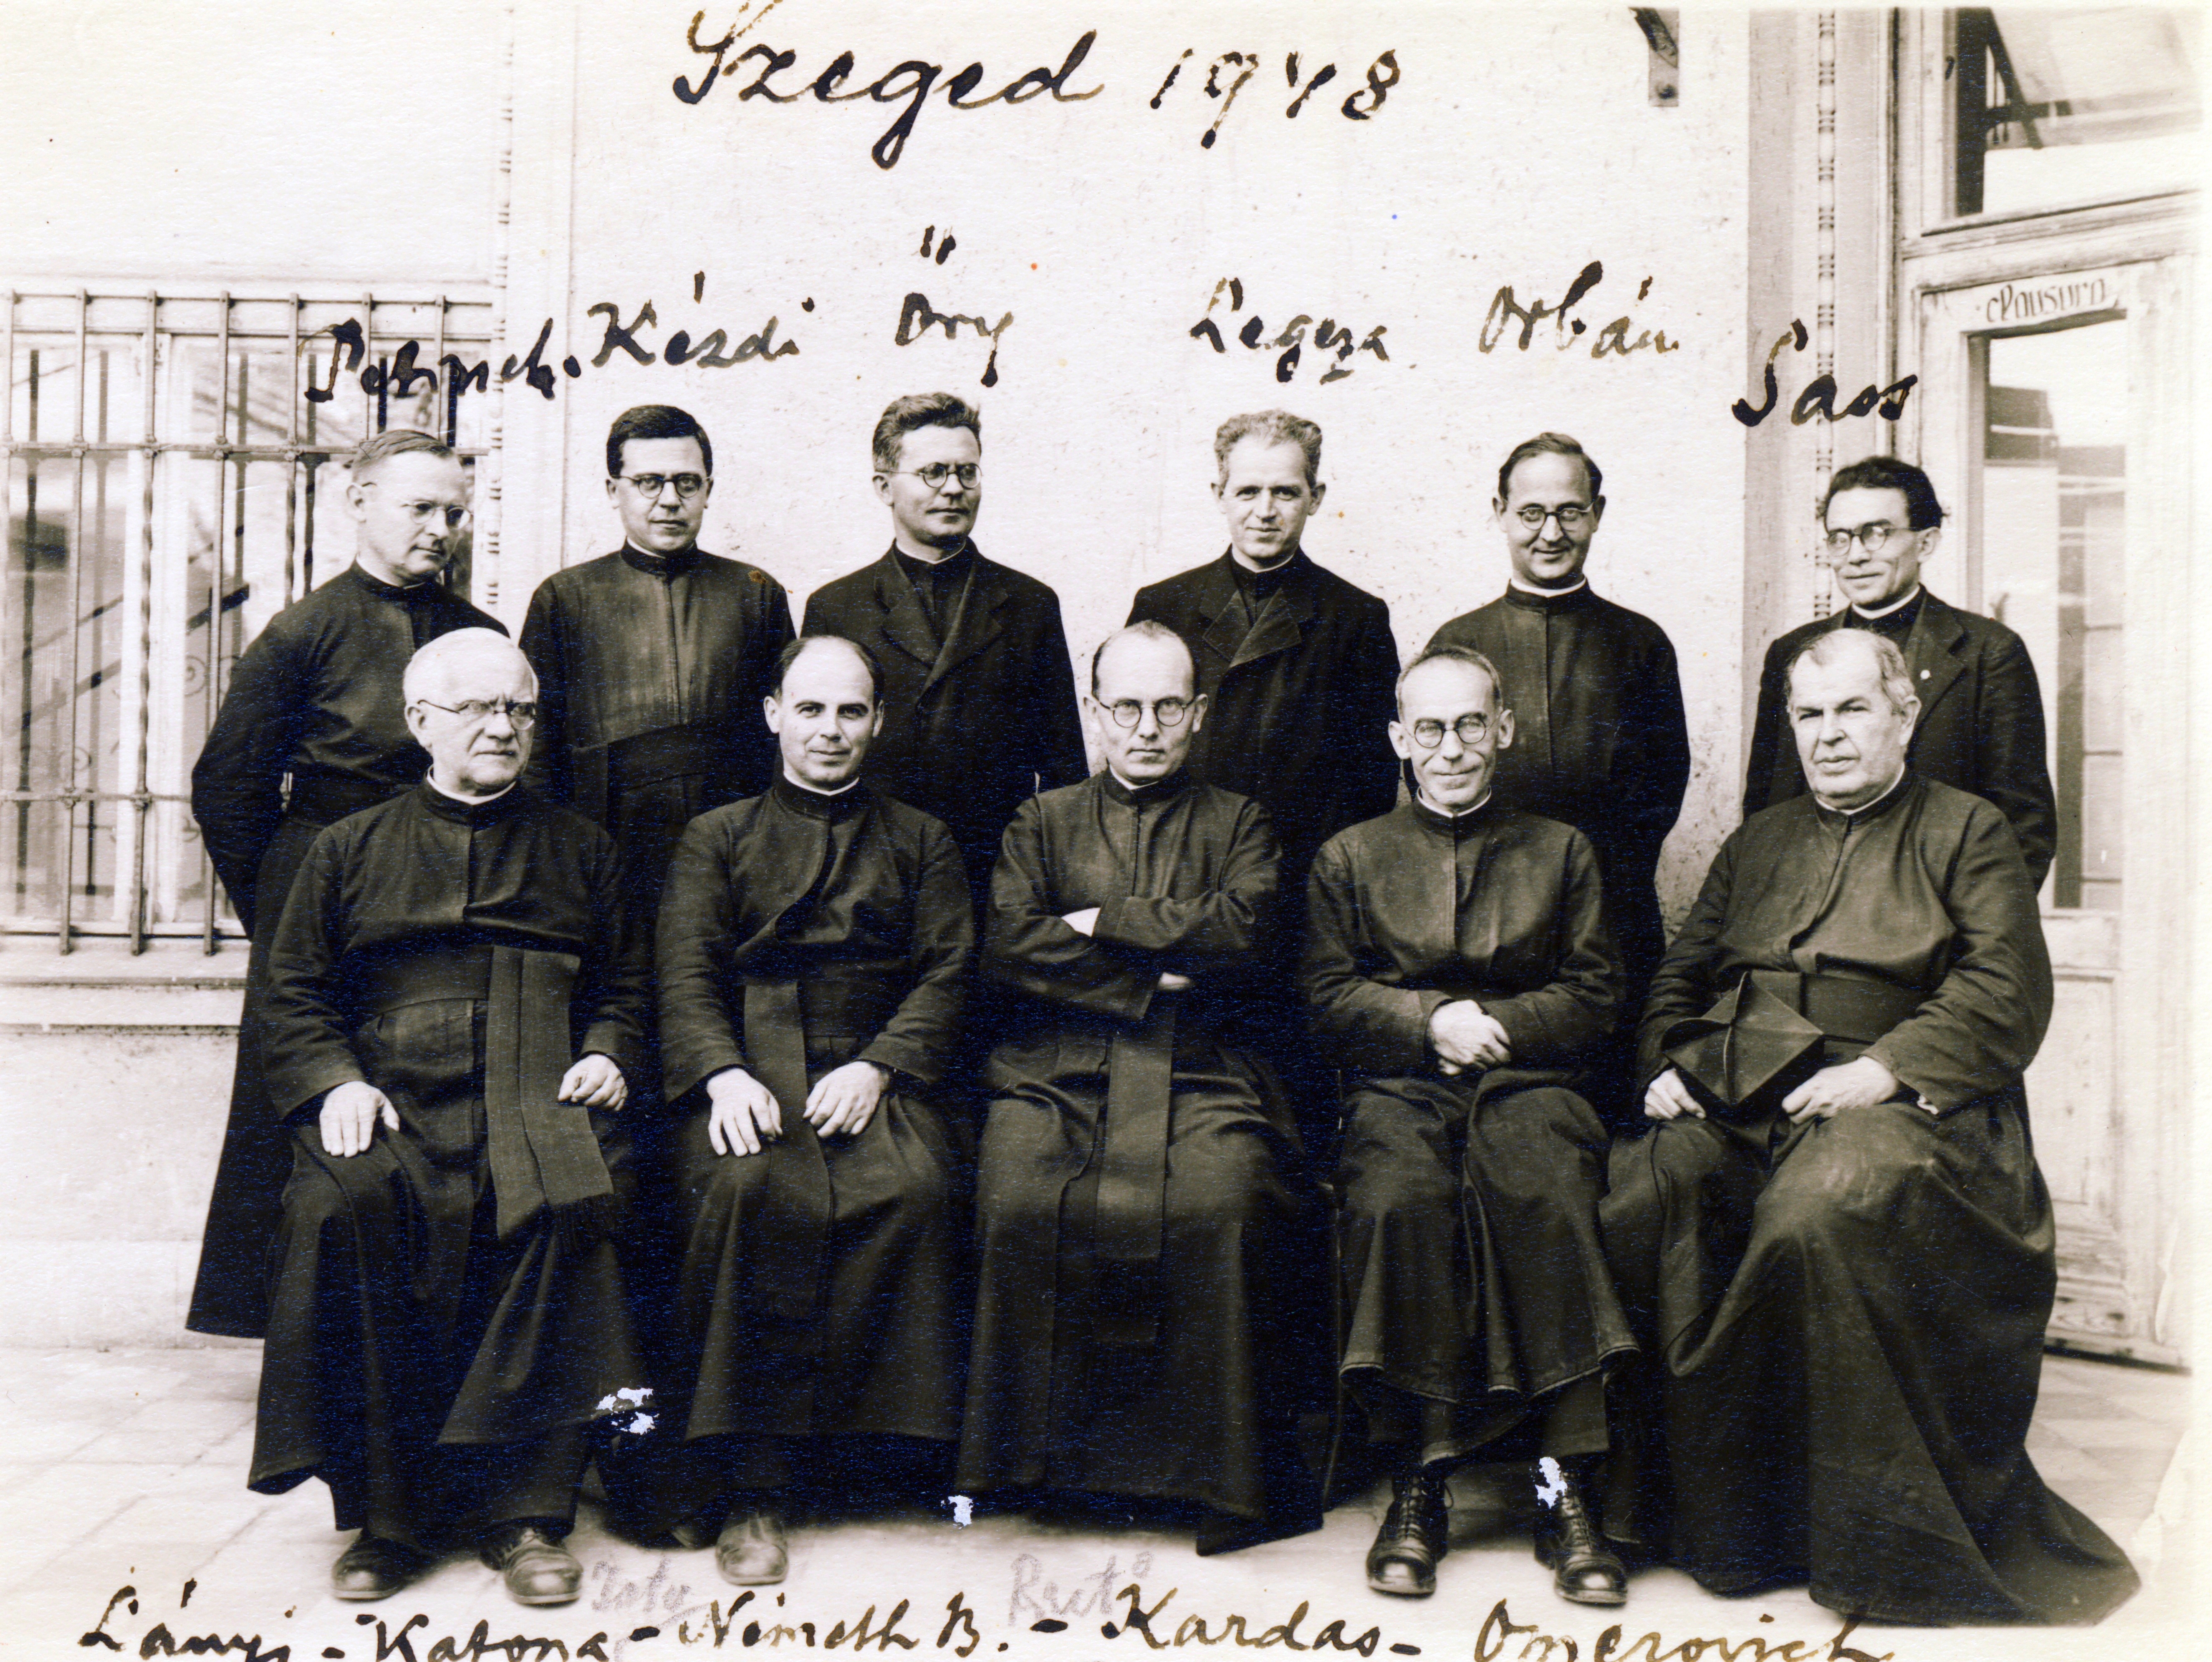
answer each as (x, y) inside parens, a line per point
(652, 661)
(978, 694)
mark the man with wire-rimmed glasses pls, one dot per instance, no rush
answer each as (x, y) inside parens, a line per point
(1603, 744)
(978, 693)
(315, 701)
(1981, 711)
(1459, 970)
(652, 661)
(1137, 1268)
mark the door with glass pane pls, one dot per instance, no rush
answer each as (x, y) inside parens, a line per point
(2058, 428)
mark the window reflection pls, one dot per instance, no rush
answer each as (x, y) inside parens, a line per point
(2053, 107)
(2053, 541)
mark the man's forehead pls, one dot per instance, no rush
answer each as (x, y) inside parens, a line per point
(1855, 676)
(1134, 667)
(1446, 687)
(826, 672)
(664, 455)
(1256, 460)
(1549, 474)
(1863, 504)
(417, 474)
(488, 673)
(937, 442)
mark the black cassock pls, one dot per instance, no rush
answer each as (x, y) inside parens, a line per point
(651, 670)
(445, 1311)
(1600, 741)
(819, 1277)
(315, 697)
(1135, 1203)
(1850, 1312)
(1473, 1271)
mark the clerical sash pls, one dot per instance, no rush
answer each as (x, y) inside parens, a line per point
(1132, 1176)
(786, 1265)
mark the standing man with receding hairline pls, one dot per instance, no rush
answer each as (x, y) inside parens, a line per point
(1603, 744)
(315, 699)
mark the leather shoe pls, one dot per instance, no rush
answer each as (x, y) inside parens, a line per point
(750, 1550)
(1584, 1569)
(372, 1568)
(536, 1568)
(1415, 1533)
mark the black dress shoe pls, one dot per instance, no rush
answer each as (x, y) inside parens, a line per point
(1584, 1569)
(372, 1568)
(536, 1568)
(1415, 1535)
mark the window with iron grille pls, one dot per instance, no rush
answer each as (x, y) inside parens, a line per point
(176, 473)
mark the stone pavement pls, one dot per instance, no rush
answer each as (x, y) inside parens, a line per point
(126, 1469)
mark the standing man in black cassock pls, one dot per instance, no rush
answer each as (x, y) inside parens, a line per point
(652, 661)
(814, 949)
(454, 993)
(1137, 1186)
(1459, 969)
(978, 695)
(315, 698)
(1296, 664)
(1846, 1275)
(1601, 742)
(1980, 728)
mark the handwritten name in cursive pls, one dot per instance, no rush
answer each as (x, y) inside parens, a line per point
(1329, 336)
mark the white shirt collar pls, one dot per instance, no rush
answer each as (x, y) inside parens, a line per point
(431, 780)
(1531, 589)
(1422, 797)
(1858, 611)
(816, 790)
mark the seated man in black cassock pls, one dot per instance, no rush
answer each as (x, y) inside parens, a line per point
(1845, 1273)
(1135, 1202)
(1459, 969)
(454, 993)
(814, 947)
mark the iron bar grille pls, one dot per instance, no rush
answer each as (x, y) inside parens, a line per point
(171, 485)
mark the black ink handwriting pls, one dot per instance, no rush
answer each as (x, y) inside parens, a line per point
(1329, 338)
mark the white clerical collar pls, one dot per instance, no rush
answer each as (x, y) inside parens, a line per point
(1880, 612)
(1578, 584)
(1423, 798)
(431, 780)
(816, 790)
(1867, 807)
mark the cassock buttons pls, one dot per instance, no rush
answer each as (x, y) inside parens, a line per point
(1923, 674)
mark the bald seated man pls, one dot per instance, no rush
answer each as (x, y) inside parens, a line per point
(1845, 1276)
(814, 950)
(1458, 969)
(1137, 1192)
(456, 994)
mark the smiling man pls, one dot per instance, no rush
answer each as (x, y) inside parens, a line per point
(1459, 971)
(813, 955)
(1842, 1279)
(1980, 728)
(456, 992)
(1602, 744)
(316, 697)
(1136, 1188)
(652, 661)
(978, 694)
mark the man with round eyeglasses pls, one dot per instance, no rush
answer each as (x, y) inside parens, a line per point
(652, 661)
(1603, 744)
(1981, 727)
(457, 997)
(314, 699)
(1137, 1191)
(978, 692)
(1459, 971)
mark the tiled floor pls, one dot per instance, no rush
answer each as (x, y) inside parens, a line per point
(126, 1469)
